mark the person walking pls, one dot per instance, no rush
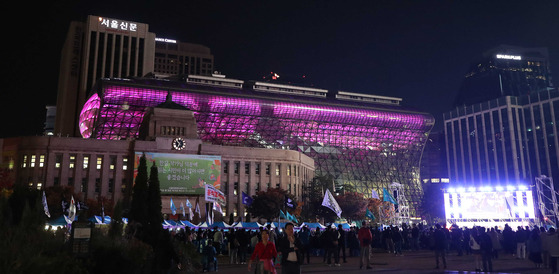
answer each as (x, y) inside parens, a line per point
(365, 238)
(439, 245)
(266, 252)
(290, 248)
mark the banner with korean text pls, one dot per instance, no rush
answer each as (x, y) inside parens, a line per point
(214, 195)
(183, 173)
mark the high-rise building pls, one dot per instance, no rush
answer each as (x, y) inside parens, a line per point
(173, 58)
(506, 71)
(366, 141)
(98, 48)
(506, 140)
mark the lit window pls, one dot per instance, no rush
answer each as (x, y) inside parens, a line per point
(41, 160)
(72, 161)
(124, 163)
(58, 161)
(85, 162)
(277, 170)
(24, 164)
(99, 162)
(33, 157)
(39, 185)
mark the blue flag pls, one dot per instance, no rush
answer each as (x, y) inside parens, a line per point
(289, 202)
(247, 200)
(370, 215)
(387, 197)
(173, 208)
(282, 215)
(45, 205)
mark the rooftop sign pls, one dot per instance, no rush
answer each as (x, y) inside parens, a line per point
(509, 57)
(118, 24)
(166, 40)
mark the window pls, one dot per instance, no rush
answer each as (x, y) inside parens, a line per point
(113, 162)
(33, 158)
(85, 162)
(70, 181)
(72, 162)
(257, 169)
(99, 162)
(111, 185)
(83, 186)
(24, 164)
(267, 169)
(235, 187)
(289, 170)
(237, 167)
(277, 170)
(225, 167)
(247, 168)
(124, 163)
(41, 160)
(97, 185)
(57, 161)
(123, 186)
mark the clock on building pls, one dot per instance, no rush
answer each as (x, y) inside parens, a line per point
(179, 144)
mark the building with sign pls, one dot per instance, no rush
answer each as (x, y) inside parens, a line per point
(98, 48)
(365, 141)
(106, 168)
(174, 58)
(505, 71)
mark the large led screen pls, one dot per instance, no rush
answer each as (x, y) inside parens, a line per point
(183, 173)
(489, 205)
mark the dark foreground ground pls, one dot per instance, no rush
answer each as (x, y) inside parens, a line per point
(410, 262)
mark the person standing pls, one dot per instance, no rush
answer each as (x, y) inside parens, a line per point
(341, 242)
(521, 238)
(305, 237)
(553, 249)
(218, 240)
(365, 238)
(486, 249)
(439, 244)
(266, 252)
(290, 246)
(331, 245)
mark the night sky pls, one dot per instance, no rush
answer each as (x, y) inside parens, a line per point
(415, 50)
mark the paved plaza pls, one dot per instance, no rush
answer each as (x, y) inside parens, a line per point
(411, 262)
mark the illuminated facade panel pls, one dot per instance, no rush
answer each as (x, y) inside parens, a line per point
(364, 145)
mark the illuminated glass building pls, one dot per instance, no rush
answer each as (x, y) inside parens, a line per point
(363, 140)
(506, 140)
(506, 71)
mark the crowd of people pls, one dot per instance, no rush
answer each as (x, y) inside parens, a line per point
(269, 246)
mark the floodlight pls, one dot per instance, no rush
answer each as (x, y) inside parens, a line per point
(486, 188)
(499, 188)
(511, 188)
(522, 188)
(451, 190)
(471, 189)
(460, 190)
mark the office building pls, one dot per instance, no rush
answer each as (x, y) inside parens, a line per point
(98, 48)
(505, 71)
(174, 58)
(512, 139)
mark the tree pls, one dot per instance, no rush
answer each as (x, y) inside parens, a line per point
(353, 205)
(155, 217)
(267, 204)
(138, 209)
(313, 199)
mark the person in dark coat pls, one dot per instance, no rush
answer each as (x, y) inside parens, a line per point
(290, 248)
(439, 245)
(486, 249)
(341, 242)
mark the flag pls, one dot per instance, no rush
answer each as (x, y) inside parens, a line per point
(64, 206)
(45, 205)
(103, 210)
(209, 215)
(370, 215)
(331, 203)
(217, 207)
(182, 209)
(198, 207)
(188, 204)
(173, 208)
(190, 213)
(289, 202)
(282, 215)
(509, 201)
(247, 200)
(291, 217)
(387, 197)
(71, 211)
(374, 195)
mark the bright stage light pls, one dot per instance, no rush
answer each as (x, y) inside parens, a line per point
(451, 190)
(486, 188)
(522, 188)
(511, 188)
(460, 190)
(471, 189)
(499, 188)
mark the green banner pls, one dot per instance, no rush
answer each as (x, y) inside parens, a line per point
(183, 173)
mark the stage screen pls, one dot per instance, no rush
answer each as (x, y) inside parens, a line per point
(489, 205)
(183, 173)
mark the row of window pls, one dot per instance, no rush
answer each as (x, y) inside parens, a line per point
(39, 160)
(237, 165)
